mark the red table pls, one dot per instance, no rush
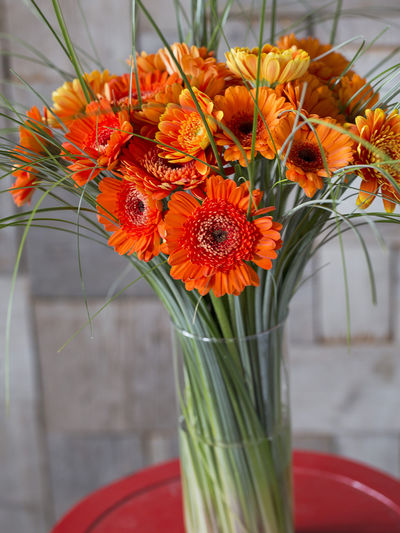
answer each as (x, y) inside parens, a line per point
(332, 495)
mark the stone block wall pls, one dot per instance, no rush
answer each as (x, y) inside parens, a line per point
(105, 406)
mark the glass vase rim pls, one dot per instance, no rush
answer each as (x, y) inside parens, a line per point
(245, 338)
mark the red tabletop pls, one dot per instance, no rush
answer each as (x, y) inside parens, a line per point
(332, 495)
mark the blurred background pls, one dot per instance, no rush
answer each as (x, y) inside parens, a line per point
(105, 406)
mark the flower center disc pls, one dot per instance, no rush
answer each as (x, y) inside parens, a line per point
(306, 155)
(219, 235)
(242, 127)
(132, 208)
(99, 139)
(193, 135)
(246, 128)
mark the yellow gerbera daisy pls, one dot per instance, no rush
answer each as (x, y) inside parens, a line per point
(276, 66)
(70, 100)
(332, 64)
(383, 132)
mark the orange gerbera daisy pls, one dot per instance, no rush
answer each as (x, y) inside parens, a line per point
(95, 141)
(34, 141)
(355, 94)
(70, 100)
(150, 84)
(133, 217)
(199, 66)
(318, 99)
(149, 116)
(33, 134)
(208, 76)
(181, 52)
(276, 66)
(24, 186)
(383, 132)
(146, 63)
(304, 161)
(238, 107)
(210, 243)
(329, 66)
(142, 162)
(182, 129)
(26, 177)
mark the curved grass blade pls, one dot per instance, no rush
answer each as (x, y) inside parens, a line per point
(89, 95)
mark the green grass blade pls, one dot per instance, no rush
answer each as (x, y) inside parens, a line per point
(71, 52)
(89, 35)
(336, 21)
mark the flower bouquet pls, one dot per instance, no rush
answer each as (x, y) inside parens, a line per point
(218, 181)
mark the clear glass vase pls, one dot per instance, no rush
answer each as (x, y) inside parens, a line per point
(235, 433)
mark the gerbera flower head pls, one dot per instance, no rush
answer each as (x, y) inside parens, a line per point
(146, 63)
(150, 84)
(327, 67)
(149, 116)
(304, 160)
(355, 94)
(33, 133)
(133, 217)
(238, 107)
(33, 142)
(199, 66)
(95, 141)
(315, 96)
(70, 100)
(24, 185)
(26, 177)
(208, 75)
(382, 131)
(210, 243)
(142, 163)
(180, 53)
(183, 130)
(276, 66)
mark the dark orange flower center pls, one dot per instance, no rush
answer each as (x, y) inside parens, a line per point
(245, 128)
(306, 155)
(219, 235)
(132, 207)
(241, 126)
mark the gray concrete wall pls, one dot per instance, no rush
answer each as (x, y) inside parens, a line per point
(105, 406)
